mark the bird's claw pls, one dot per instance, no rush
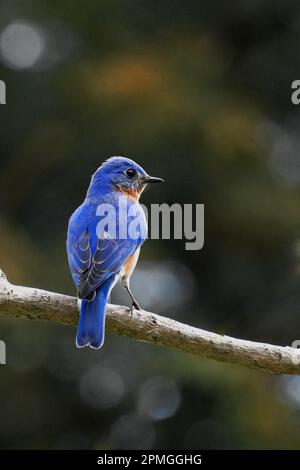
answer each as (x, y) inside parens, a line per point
(134, 306)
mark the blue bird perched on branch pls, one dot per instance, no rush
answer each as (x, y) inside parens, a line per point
(103, 243)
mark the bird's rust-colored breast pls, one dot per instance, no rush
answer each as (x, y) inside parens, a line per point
(130, 263)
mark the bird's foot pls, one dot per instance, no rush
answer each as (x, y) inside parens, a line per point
(134, 306)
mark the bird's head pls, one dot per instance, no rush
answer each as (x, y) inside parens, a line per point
(124, 175)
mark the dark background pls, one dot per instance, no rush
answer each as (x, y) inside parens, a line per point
(199, 93)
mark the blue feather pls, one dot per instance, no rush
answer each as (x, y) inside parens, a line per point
(91, 327)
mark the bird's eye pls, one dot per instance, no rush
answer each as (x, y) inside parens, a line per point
(130, 172)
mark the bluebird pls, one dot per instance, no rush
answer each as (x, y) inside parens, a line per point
(103, 242)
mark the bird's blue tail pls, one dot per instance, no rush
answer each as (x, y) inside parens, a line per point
(91, 327)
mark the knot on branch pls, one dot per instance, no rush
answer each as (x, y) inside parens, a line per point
(2, 276)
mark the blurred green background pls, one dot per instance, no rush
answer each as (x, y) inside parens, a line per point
(199, 93)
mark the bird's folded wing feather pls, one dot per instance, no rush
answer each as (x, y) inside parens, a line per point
(90, 270)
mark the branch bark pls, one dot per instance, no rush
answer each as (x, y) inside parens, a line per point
(37, 304)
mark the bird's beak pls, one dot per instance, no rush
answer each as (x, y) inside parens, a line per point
(152, 179)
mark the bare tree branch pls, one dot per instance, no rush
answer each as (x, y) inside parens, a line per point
(37, 304)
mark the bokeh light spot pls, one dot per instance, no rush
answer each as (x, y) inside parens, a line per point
(159, 398)
(101, 388)
(21, 45)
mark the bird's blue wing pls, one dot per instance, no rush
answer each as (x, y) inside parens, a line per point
(89, 270)
(80, 258)
(93, 260)
(108, 259)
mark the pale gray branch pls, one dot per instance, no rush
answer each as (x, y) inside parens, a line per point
(37, 304)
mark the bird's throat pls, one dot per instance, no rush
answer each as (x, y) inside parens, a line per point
(132, 193)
